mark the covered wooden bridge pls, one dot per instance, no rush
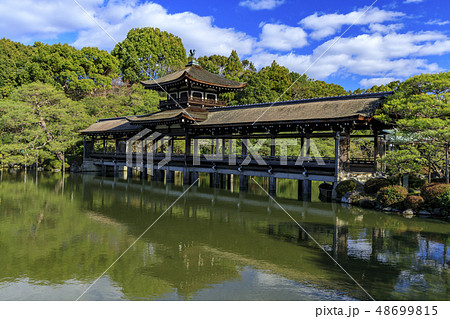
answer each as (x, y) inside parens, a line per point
(196, 133)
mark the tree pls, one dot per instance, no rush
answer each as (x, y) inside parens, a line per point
(78, 72)
(122, 100)
(40, 121)
(420, 110)
(214, 63)
(149, 53)
(233, 67)
(13, 60)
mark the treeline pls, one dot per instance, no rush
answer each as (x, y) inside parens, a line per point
(49, 92)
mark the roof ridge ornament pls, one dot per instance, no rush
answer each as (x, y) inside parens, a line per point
(191, 58)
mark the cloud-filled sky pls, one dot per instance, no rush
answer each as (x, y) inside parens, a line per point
(350, 43)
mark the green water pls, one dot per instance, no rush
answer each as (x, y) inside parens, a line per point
(57, 236)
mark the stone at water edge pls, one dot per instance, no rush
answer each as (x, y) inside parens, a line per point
(424, 213)
(408, 212)
(351, 197)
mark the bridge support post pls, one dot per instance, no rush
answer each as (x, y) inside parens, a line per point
(243, 183)
(103, 169)
(228, 177)
(144, 173)
(194, 177)
(304, 189)
(170, 176)
(116, 169)
(129, 171)
(223, 181)
(272, 186)
(186, 176)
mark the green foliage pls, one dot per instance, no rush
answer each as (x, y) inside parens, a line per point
(392, 195)
(373, 185)
(345, 187)
(13, 61)
(405, 160)
(420, 110)
(306, 88)
(122, 101)
(233, 67)
(149, 53)
(445, 199)
(78, 72)
(414, 202)
(432, 193)
(40, 122)
(215, 63)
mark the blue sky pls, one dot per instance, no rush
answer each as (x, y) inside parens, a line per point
(391, 40)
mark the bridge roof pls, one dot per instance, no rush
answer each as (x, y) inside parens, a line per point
(308, 111)
(118, 125)
(350, 108)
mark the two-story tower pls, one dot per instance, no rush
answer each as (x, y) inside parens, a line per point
(192, 87)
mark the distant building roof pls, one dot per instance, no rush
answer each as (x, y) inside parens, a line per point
(194, 73)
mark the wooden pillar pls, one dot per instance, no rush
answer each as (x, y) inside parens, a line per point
(194, 177)
(243, 179)
(129, 172)
(104, 145)
(223, 148)
(186, 176)
(342, 153)
(116, 169)
(187, 147)
(243, 183)
(215, 180)
(272, 146)
(88, 147)
(304, 190)
(170, 176)
(375, 150)
(229, 177)
(272, 186)
(244, 147)
(103, 169)
(302, 150)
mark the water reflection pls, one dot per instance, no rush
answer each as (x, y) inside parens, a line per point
(57, 236)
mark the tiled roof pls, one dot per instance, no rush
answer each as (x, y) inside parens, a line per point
(195, 73)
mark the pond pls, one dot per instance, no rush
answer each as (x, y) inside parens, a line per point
(57, 236)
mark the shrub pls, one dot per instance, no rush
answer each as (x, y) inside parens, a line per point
(392, 195)
(345, 187)
(416, 182)
(414, 202)
(373, 185)
(445, 199)
(431, 193)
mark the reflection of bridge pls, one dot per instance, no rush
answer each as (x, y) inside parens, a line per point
(247, 229)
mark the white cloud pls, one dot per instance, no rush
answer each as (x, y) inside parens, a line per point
(329, 24)
(197, 32)
(437, 22)
(261, 4)
(382, 28)
(368, 55)
(282, 37)
(30, 19)
(368, 83)
(412, 1)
